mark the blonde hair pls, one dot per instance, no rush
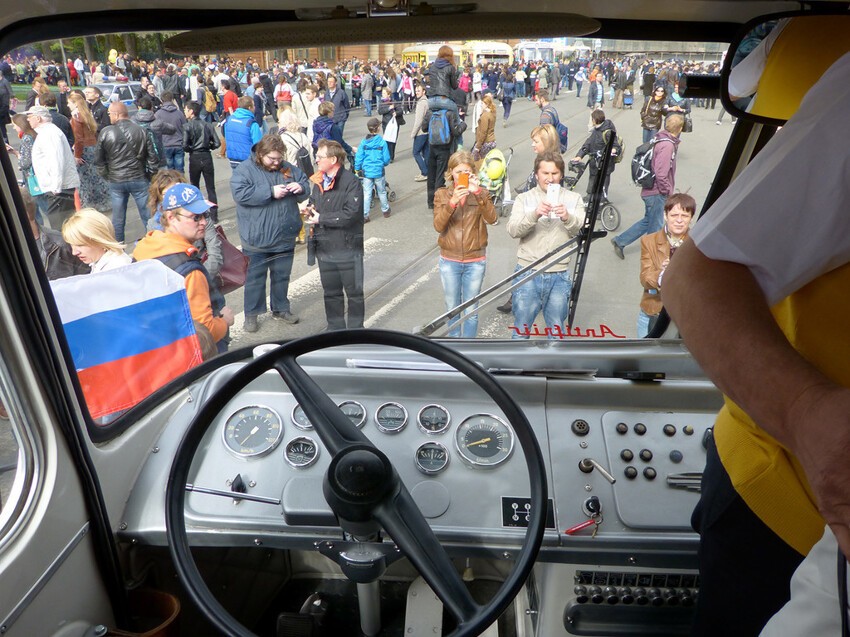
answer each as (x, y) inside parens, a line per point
(88, 227)
(549, 136)
(488, 101)
(458, 158)
(83, 111)
(287, 120)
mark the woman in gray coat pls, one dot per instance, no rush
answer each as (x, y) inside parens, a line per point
(367, 89)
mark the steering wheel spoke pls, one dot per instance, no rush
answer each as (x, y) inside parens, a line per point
(318, 406)
(402, 519)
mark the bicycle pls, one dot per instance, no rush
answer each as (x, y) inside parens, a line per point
(609, 216)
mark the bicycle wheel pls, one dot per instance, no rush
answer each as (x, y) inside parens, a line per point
(609, 217)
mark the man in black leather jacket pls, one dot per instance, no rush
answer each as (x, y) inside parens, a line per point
(199, 139)
(337, 219)
(125, 156)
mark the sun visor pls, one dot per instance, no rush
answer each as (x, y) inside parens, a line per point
(298, 34)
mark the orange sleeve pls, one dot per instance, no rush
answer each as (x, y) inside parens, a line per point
(198, 292)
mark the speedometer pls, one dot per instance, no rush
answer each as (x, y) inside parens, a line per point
(484, 440)
(252, 431)
(433, 419)
(391, 418)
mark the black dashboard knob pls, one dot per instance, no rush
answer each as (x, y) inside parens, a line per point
(640, 428)
(655, 598)
(649, 473)
(622, 428)
(669, 430)
(611, 595)
(645, 455)
(596, 595)
(581, 594)
(671, 597)
(627, 455)
(630, 472)
(641, 597)
(626, 595)
(686, 597)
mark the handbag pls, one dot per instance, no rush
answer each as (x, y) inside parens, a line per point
(399, 118)
(32, 186)
(234, 267)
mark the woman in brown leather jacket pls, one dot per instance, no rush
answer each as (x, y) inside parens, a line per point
(462, 210)
(653, 112)
(485, 133)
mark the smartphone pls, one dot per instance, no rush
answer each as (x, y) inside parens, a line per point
(553, 192)
(463, 180)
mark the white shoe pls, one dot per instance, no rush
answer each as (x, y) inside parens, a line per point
(717, 122)
(421, 178)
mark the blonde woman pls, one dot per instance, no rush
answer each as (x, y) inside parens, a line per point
(485, 132)
(92, 239)
(94, 190)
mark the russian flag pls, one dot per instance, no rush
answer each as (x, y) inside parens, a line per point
(130, 331)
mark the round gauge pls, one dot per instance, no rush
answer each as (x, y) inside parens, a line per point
(391, 418)
(252, 431)
(355, 412)
(299, 418)
(301, 452)
(484, 440)
(431, 458)
(433, 419)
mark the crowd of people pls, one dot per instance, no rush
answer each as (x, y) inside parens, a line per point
(296, 180)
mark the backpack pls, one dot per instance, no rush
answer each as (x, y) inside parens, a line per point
(643, 173)
(302, 157)
(618, 149)
(562, 130)
(439, 130)
(183, 264)
(209, 101)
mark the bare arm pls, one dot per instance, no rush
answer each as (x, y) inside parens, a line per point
(726, 323)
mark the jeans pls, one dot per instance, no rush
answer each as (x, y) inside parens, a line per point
(341, 279)
(120, 193)
(380, 184)
(645, 323)
(520, 89)
(461, 282)
(506, 104)
(548, 291)
(367, 104)
(279, 266)
(648, 134)
(420, 153)
(578, 88)
(438, 162)
(174, 158)
(341, 125)
(652, 221)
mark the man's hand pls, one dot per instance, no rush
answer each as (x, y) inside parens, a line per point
(560, 210)
(293, 188)
(279, 191)
(543, 209)
(227, 315)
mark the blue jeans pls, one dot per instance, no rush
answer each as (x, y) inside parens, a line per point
(652, 221)
(645, 323)
(548, 291)
(578, 88)
(367, 104)
(279, 266)
(119, 193)
(420, 153)
(381, 185)
(461, 282)
(648, 134)
(174, 158)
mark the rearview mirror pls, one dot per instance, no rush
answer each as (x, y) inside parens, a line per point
(776, 60)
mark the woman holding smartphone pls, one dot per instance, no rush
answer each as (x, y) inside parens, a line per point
(462, 210)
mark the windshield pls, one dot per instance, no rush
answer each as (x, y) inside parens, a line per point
(262, 252)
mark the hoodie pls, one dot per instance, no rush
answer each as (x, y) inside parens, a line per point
(372, 155)
(159, 244)
(324, 128)
(158, 127)
(172, 115)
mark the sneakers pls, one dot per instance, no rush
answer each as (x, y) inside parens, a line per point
(286, 317)
(618, 250)
(421, 178)
(251, 324)
(717, 122)
(387, 212)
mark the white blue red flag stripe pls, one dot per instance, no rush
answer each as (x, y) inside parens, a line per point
(129, 330)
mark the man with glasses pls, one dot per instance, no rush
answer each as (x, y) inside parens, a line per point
(125, 156)
(267, 190)
(337, 220)
(54, 166)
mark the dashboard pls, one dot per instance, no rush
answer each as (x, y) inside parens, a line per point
(623, 462)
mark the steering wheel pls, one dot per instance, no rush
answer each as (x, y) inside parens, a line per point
(376, 494)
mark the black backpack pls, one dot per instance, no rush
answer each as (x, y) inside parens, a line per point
(643, 173)
(302, 157)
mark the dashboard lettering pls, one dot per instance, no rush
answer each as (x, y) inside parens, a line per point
(561, 333)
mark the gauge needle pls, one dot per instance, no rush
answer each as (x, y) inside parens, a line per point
(252, 432)
(479, 442)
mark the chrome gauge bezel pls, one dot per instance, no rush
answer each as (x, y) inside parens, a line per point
(432, 432)
(295, 421)
(302, 465)
(267, 447)
(384, 428)
(362, 408)
(431, 472)
(479, 461)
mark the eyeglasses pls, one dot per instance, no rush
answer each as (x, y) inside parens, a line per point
(196, 218)
(275, 160)
(322, 156)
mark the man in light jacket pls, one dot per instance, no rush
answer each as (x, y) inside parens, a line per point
(54, 166)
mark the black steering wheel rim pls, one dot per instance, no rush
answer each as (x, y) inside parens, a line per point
(178, 539)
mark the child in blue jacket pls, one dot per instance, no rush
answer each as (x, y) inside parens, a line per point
(373, 155)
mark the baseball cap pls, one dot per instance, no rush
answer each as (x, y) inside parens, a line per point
(184, 196)
(41, 111)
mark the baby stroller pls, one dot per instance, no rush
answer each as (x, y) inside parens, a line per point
(494, 177)
(390, 191)
(628, 99)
